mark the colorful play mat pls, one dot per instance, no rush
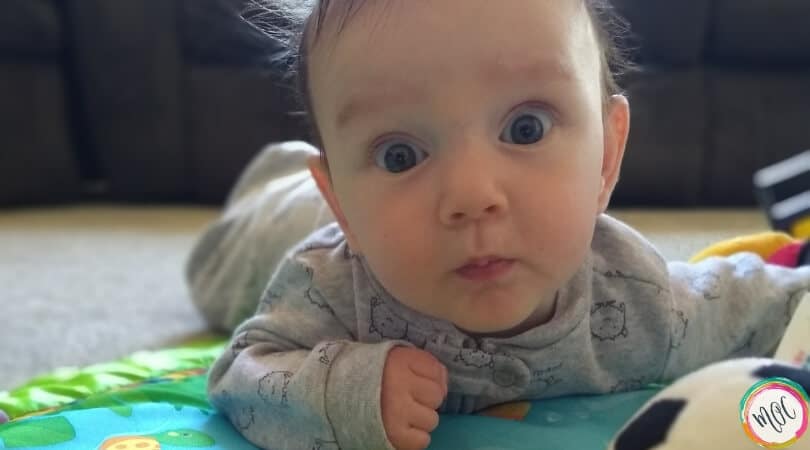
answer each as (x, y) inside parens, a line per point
(156, 400)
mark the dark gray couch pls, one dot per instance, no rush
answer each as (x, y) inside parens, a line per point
(133, 100)
(166, 100)
(176, 95)
(724, 89)
(37, 162)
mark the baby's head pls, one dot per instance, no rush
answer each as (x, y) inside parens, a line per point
(469, 146)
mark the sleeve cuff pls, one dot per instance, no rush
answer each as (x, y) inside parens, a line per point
(353, 395)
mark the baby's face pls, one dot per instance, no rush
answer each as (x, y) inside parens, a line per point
(467, 149)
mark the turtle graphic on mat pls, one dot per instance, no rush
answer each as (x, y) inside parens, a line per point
(176, 438)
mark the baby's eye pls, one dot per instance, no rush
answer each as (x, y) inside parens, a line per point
(527, 127)
(397, 157)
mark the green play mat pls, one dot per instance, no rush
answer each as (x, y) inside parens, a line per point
(156, 400)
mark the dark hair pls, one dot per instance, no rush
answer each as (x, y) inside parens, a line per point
(299, 24)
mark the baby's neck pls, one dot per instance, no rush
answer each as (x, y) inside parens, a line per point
(540, 316)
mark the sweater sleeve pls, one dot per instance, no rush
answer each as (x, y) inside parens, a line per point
(727, 307)
(294, 376)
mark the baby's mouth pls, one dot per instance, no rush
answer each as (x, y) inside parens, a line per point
(485, 268)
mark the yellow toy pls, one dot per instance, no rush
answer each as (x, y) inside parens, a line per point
(764, 244)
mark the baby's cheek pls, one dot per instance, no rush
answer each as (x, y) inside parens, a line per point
(412, 285)
(403, 280)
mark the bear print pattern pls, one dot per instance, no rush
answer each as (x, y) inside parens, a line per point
(608, 320)
(385, 322)
(273, 387)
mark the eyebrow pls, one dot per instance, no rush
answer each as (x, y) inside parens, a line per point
(551, 69)
(408, 92)
(371, 104)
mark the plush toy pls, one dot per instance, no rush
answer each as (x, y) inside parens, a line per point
(703, 409)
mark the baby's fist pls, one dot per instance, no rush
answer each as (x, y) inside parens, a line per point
(414, 385)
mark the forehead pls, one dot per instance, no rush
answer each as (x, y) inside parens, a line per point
(387, 44)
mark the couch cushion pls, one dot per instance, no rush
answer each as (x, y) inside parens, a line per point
(666, 32)
(128, 66)
(663, 161)
(29, 27)
(759, 118)
(36, 163)
(767, 32)
(232, 114)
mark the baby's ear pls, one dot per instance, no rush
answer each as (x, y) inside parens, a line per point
(616, 129)
(319, 170)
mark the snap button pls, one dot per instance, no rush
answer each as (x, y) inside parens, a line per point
(504, 378)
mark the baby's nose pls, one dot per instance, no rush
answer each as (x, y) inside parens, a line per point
(463, 214)
(468, 198)
(472, 185)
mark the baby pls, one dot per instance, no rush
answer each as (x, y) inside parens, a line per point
(469, 151)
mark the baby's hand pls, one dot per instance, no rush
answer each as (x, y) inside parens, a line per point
(414, 385)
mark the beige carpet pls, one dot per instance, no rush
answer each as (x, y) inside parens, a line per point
(87, 284)
(82, 285)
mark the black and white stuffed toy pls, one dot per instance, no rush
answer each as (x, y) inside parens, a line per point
(702, 409)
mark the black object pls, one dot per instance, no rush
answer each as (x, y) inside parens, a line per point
(783, 192)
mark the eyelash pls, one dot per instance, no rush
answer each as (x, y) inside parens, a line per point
(533, 105)
(376, 143)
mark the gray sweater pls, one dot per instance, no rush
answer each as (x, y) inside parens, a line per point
(305, 371)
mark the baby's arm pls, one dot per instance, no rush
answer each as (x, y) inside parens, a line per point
(729, 307)
(295, 377)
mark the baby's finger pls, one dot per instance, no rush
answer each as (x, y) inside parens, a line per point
(427, 392)
(424, 419)
(426, 365)
(410, 439)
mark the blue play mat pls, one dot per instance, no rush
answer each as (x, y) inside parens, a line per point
(170, 412)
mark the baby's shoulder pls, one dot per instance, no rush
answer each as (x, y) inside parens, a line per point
(630, 281)
(328, 237)
(616, 242)
(325, 257)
